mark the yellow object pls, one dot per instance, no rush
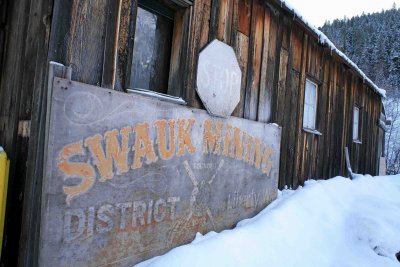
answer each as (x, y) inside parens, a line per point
(4, 168)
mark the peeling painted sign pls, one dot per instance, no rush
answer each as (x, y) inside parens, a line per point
(130, 177)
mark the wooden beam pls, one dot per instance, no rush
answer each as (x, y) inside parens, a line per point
(111, 44)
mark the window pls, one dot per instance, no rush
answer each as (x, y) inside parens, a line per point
(145, 45)
(310, 105)
(152, 46)
(356, 124)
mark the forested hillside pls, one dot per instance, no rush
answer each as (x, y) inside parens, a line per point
(372, 41)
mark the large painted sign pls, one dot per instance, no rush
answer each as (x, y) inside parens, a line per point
(129, 177)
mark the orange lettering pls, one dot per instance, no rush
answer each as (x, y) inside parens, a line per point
(246, 156)
(267, 154)
(212, 139)
(143, 146)
(237, 143)
(104, 161)
(166, 153)
(184, 137)
(75, 169)
(255, 157)
(227, 140)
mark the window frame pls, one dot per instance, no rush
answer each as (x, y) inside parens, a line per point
(167, 14)
(306, 128)
(358, 139)
(156, 7)
(119, 42)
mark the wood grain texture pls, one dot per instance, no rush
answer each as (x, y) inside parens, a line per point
(193, 46)
(4, 11)
(254, 63)
(275, 53)
(179, 51)
(272, 62)
(126, 37)
(242, 52)
(88, 26)
(299, 141)
(225, 21)
(111, 44)
(10, 109)
(21, 85)
(265, 98)
(244, 17)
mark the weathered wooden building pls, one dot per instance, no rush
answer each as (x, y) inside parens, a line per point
(291, 76)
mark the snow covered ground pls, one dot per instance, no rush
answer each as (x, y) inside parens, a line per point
(336, 223)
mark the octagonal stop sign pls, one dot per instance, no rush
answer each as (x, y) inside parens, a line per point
(219, 79)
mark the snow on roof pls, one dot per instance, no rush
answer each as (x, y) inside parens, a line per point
(323, 39)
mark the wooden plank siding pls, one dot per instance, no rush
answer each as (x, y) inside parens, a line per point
(22, 83)
(254, 62)
(275, 52)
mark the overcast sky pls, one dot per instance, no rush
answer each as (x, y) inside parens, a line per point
(319, 11)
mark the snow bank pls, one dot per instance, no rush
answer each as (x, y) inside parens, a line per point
(337, 222)
(323, 39)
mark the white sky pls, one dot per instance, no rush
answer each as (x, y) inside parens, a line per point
(319, 11)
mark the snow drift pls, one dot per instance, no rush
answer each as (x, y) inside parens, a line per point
(337, 222)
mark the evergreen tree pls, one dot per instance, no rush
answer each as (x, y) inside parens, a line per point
(372, 41)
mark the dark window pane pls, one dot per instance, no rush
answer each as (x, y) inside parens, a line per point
(152, 51)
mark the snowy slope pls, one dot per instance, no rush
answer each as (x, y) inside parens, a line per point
(337, 222)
